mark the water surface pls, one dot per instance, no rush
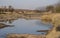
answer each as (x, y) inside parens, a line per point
(23, 26)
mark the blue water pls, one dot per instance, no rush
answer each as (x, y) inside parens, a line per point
(23, 26)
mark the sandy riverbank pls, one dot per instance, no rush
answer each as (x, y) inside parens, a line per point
(24, 36)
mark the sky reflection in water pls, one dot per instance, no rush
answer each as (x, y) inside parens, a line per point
(24, 26)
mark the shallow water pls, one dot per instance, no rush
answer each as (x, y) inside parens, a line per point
(23, 26)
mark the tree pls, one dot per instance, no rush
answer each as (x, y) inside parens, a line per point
(11, 9)
(50, 8)
(58, 7)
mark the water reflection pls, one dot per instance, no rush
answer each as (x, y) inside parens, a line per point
(24, 26)
(47, 25)
(2, 25)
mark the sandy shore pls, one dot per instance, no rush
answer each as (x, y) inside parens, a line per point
(25, 36)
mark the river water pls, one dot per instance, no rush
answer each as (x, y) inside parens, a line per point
(22, 26)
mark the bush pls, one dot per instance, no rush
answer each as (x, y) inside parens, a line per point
(22, 37)
(58, 28)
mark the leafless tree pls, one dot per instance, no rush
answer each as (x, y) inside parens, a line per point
(11, 9)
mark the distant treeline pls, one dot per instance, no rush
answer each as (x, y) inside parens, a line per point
(52, 8)
(55, 8)
(5, 9)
